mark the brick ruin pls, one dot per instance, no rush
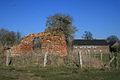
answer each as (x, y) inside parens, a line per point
(53, 44)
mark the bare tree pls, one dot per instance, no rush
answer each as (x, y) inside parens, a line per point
(87, 35)
(8, 38)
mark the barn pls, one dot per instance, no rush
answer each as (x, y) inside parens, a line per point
(92, 46)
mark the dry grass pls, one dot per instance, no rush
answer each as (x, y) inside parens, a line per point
(56, 73)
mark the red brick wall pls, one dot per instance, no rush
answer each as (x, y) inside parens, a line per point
(54, 44)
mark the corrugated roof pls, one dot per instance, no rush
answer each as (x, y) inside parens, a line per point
(89, 42)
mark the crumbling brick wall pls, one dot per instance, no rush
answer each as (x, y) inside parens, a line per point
(53, 44)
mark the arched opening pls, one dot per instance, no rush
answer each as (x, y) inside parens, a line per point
(36, 43)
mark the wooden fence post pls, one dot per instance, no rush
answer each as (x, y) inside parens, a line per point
(89, 57)
(81, 64)
(80, 59)
(101, 55)
(7, 57)
(45, 59)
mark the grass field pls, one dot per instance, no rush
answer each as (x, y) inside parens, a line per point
(56, 73)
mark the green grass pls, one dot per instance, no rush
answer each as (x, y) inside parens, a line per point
(56, 73)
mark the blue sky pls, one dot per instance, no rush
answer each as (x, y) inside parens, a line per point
(101, 17)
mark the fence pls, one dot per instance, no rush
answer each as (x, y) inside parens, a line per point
(83, 59)
(32, 58)
(88, 59)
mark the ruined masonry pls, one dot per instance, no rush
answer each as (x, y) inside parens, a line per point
(53, 44)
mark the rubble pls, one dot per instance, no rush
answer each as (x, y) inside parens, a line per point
(53, 44)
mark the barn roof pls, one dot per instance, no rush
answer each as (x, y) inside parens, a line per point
(89, 42)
